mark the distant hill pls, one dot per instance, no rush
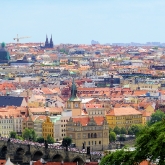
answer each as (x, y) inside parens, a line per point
(93, 42)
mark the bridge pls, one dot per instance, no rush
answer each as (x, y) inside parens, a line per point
(24, 153)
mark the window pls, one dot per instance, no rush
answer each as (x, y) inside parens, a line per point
(99, 142)
(89, 143)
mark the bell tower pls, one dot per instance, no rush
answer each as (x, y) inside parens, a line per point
(74, 102)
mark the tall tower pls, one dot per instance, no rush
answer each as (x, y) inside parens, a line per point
(51, 42)
(74, 102)
(46, 42)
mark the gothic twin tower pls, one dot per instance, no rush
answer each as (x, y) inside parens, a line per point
(49, 44)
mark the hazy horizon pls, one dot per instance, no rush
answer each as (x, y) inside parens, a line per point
(79, 22)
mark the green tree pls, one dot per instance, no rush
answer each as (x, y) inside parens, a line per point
(26, 134)
(130, 132)
(66, 142)
(119, 157)
(117, 130)
(50, 140)
(19, 137)
(150, 144)
(110, 129)
(13, 134)
(40, 140)
(135, 129)
(112, 136)
(123, 131)
(34, 136)
(157, 116)
(29, 134)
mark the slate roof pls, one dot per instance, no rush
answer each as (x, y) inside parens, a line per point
(10, 101)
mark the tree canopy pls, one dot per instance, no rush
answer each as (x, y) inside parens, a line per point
(13, 134)
(150, 144)
(40, 140)
(135, 129)
(117, 130)
(112, 136)
(157, 116)
(66, 141)
(123, 130)
(29, 134)
(50, 140)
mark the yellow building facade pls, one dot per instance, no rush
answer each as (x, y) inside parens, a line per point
(124, 117)
(145, 86)
(47, 128)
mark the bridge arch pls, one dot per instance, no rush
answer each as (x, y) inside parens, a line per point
(57, 158)
(3, 152)
(37, 155)
(79, 160)
(19, 154)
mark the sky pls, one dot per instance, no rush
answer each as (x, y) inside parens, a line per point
(80, 21)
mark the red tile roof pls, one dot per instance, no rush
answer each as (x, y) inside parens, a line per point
(84, 120)
(123, 111)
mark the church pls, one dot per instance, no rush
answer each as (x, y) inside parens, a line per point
(48, 44)
(4, 54)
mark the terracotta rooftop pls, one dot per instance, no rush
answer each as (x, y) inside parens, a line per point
(123, 111)
(85, 120)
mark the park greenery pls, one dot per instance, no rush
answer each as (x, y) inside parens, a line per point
(135, 128)
(30, 134)
(149, 143)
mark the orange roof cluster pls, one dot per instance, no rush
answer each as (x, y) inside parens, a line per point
(85, 120)
(11, 111)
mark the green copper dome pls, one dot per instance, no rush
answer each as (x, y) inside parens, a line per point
(4, 54)
(3, 45)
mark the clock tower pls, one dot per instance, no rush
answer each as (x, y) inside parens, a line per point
(74, 102)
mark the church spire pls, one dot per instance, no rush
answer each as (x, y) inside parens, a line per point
(51, 42)
(46, 39)
(73, 92)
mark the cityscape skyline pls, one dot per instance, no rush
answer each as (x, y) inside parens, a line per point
(80, 22)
